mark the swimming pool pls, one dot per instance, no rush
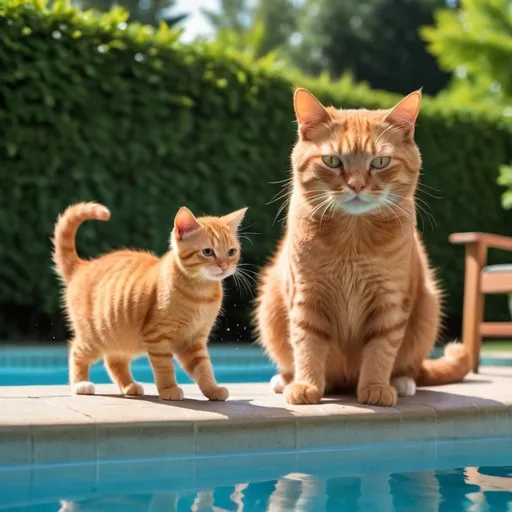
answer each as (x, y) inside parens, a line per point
(415, 477)
(47, 365)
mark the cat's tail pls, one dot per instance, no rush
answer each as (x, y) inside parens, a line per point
(452, 367)
(65, 256)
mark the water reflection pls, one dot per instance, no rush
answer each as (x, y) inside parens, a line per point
(469, 489)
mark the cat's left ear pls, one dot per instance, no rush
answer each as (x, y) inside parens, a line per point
(405, 113)
(235, 219)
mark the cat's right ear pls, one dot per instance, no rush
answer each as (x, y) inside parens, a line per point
(185, 223)
(309, 111)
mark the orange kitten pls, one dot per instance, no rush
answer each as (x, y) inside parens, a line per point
(125, 303)
(349, 299)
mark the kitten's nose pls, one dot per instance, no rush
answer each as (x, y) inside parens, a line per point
(222, 265)
(356, 186)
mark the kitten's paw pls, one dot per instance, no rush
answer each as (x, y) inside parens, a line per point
(133, 389)
(277, 383)
(174, 393)
(298, 393)
(221, 394)
(405, 386)
(377, 394)
(83, 388)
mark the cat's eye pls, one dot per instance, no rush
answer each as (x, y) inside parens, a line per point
(208, 252)
(231, 252)
(380, 162)
(331, 161)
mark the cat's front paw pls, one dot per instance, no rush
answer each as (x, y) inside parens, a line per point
(221, 394)
(299, 393)
(173, 393)
(377, 394)
(133, 389)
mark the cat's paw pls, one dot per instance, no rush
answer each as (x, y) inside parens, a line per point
(133, 389)
(405, 386)
(84, 388)
(299, 393)
(277, 383)
(174, 393)
(377, 394)
(221, 394)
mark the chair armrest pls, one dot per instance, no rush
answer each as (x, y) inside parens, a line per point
(483, 239)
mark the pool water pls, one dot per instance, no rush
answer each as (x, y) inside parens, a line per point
(48, 365)
(446, 477)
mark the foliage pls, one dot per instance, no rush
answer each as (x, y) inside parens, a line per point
(475, 41)
(376, 40)
(505, 179)
(147, 12)
(256, 31)
(92, 109)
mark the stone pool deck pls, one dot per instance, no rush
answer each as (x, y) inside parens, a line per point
(45, 425)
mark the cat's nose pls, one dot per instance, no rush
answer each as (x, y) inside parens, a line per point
(222, 265)
(356, 186)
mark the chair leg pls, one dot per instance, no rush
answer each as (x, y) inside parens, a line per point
(476, 255)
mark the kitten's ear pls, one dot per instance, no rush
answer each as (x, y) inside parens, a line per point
(235, 219)
(185, 223)
(405, 112)
(309, 111)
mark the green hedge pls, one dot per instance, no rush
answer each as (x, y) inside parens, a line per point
(93, 109)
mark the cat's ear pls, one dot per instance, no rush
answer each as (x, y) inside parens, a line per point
(235, 219)
(405, 112)
(309, 111)
(185, 223)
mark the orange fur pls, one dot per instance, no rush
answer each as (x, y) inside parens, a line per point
(349, 299)
(126, 302)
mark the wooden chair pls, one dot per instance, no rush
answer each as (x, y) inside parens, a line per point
(480, 279)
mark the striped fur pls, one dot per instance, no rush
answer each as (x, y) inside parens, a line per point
(126, 302)
(349, 300)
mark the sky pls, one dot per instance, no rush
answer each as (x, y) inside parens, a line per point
(195, 24)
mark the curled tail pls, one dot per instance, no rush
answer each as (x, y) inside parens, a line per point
(65, 256)
(452, 367)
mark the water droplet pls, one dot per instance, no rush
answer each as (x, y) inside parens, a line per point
(139, 57)
(122, 25)
(56, 34)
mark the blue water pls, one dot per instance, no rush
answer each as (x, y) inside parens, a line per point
(47, 365)
(420, 477)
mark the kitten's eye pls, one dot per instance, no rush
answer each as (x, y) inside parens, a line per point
(380, 162)
(331, 161)
(231, 252)
(208, 252)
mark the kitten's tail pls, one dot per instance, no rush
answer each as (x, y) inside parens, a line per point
(452, 367)
(65, 256)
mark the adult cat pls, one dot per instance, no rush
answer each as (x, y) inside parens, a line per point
(349, 299)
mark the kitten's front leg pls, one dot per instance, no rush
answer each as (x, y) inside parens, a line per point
(309, 337)
(195, 360)
(160, 358)
(378, 358)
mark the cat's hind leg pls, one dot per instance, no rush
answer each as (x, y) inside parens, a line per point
(118, 368)
(273, 330)
(81, 356)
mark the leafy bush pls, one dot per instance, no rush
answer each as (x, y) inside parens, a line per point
(94, 109)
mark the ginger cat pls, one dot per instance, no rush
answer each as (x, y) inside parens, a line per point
(126, 302)
(349, 300)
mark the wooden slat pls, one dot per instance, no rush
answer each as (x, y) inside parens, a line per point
(496, 329)
(496, 282)
(486, 239)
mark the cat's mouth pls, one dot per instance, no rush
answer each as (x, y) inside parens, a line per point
(217, 274)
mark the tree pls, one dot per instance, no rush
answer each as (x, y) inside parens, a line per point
(377, 41)
(476, 43)
(254, 29)
(147, 12)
